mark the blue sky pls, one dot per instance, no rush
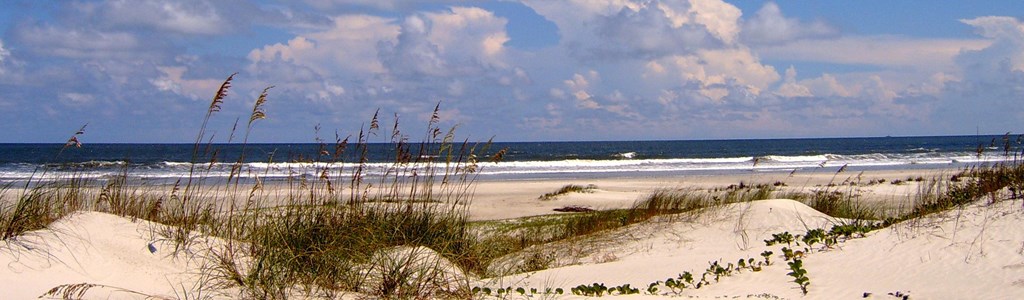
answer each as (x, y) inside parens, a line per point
(524, 70)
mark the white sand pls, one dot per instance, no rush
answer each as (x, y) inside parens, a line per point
(973, 253)
(976, 253)
(97, 248)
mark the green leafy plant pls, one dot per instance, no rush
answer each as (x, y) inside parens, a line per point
(799, 274)
(593, 290)
(778, 238)
(767, 257)
(814, 236)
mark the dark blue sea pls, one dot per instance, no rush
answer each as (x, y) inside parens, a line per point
(523, 160)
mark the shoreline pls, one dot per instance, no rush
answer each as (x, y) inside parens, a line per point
(976, 241)
(499, 198)
(494, 198)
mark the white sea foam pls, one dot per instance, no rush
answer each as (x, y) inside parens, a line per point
(626, 155)
(174, 170)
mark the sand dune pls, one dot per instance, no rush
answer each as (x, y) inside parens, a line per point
(116, 253)
(976, 252)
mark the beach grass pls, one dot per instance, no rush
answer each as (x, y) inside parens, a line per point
(567, 189)
(405, 233)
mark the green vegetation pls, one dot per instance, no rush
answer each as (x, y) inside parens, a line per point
(570, 188)
(312, 242)
(413, 218)
(799, 274)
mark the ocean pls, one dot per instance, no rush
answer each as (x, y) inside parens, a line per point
(523, 160)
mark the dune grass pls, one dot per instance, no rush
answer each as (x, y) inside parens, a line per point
(567, 189)
(35, 207)
(400, 234)
(324, 235)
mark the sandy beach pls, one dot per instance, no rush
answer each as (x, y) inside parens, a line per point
(511, 149)
(976, 252)
(512, 199)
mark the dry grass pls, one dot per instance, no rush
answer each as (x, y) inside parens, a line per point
(315, 241)
(403, 234)
(567, 189)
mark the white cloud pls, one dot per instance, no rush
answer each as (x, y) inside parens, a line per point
(3, 57)
(740, 64)
(719, 17)
(83, 43)
(389, 5)
(769, 26)
(460, 41)
(1004, 55)
(185, 17)
(640, 29)
(790, 88)
(3, 52)
(77, 99)
(620, 65)
(1007, 29)
(827, 86)
(349, 45)
(887, 51)
(578, 86)
(715, 71)
(382, 4)
(172, 80)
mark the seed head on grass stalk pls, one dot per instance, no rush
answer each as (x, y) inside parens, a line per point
(73, 140)
(257, 114)
(374, 123)
(257, 109)
(218, 99)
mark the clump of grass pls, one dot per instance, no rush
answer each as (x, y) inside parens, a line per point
(41, 201)
(319, 238)
(570, 188)
(80, 291)
(541, 230)
(997, 182)
(662, 202)
(843, 205)
(339, 231)
(38, 204)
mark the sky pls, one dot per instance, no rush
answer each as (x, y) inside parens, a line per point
(145, 71)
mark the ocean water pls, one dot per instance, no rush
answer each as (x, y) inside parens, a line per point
(524, 160)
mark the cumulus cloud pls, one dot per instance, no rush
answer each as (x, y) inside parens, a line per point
(686, 68)
(988, 86)
(350, 44)
(172, 80)
(770, 26)
(184, 17)
(641, 29)
(714, 73)
(791, 88)
(461, 41)
(1005, 55)
(578, 86)
(648, 32)
(585, 93)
